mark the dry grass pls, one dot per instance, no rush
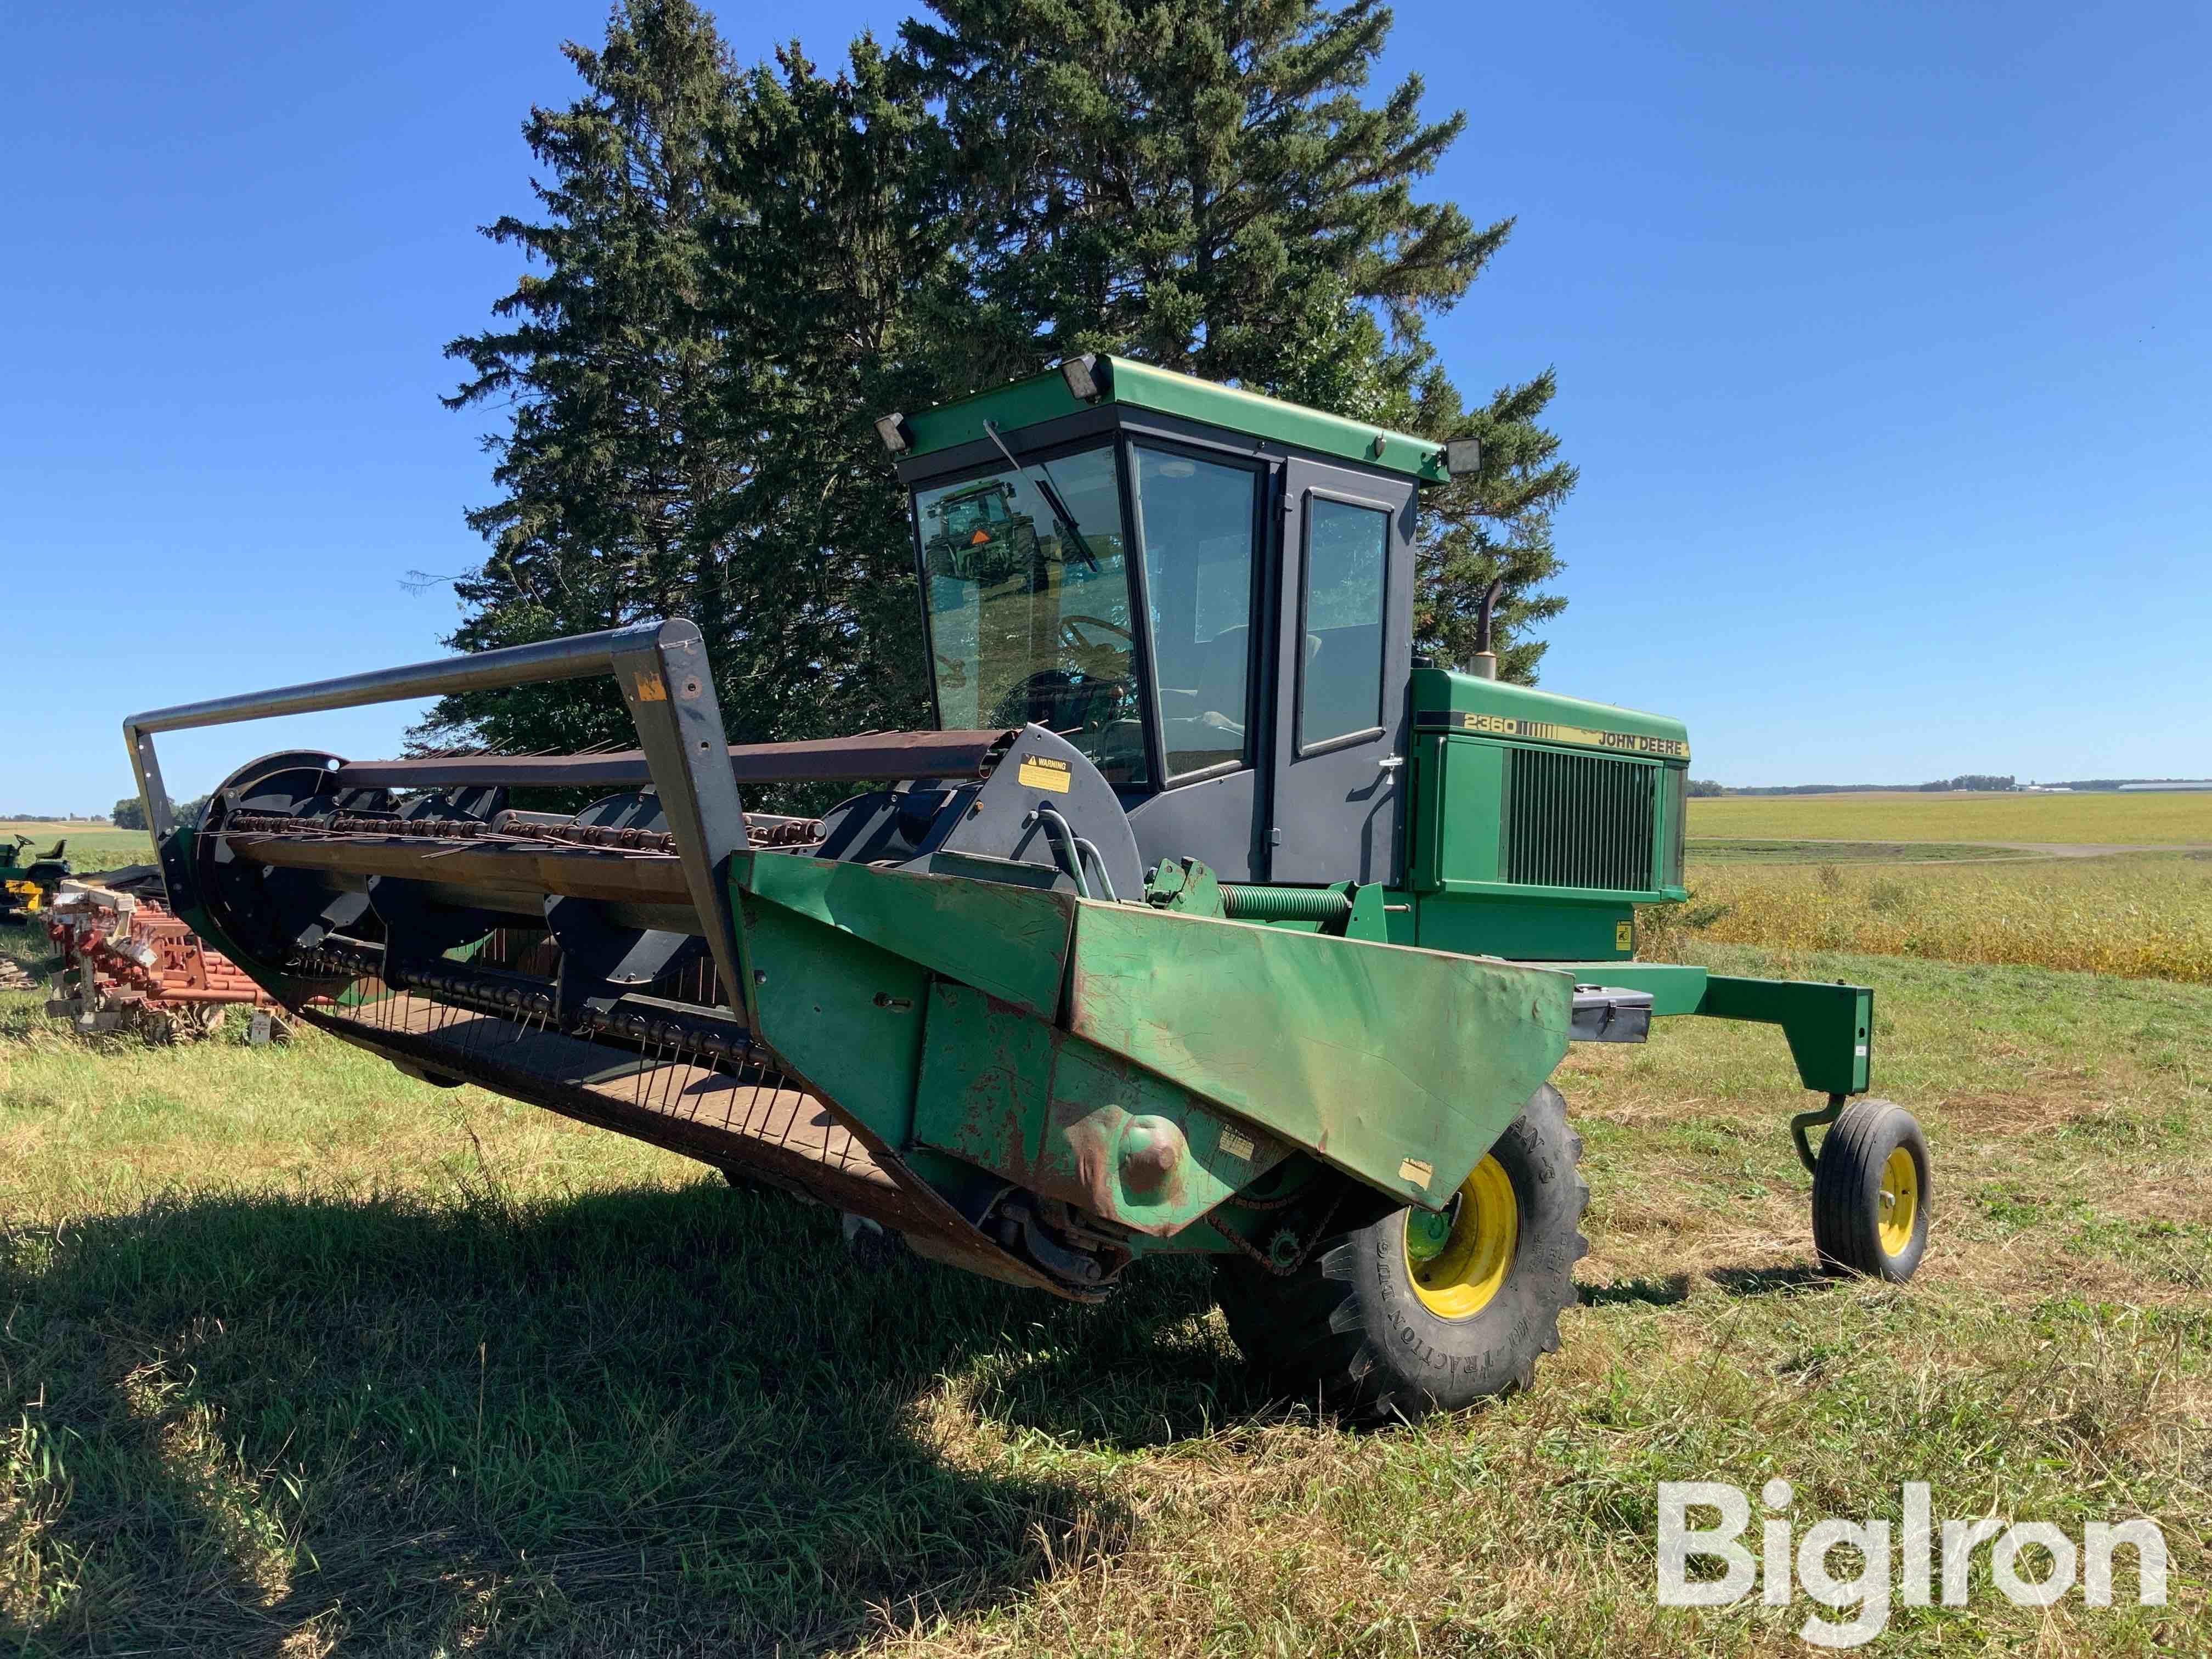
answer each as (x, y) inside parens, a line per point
(2165, 820)
(2143, 917)
(298, 1356)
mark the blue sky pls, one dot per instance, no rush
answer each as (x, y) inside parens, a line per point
(1881, 333)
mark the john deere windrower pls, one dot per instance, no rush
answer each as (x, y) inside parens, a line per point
(1207, 920)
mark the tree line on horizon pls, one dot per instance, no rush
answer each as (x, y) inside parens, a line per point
(1978, 782)
(129, 813)
(733, 269)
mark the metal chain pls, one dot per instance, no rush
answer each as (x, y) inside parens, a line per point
(795, 832)
(1285, 1269)
(1283, 1201)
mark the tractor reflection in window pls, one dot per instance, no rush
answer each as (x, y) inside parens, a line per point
(1067, 669)
(979, 538)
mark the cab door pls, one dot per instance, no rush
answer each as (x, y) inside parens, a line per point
(1344, 651)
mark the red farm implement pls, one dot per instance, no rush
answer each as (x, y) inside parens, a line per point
(128, 963)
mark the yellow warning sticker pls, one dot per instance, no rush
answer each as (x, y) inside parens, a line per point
(1236, 1145)
(1414, 1170)
(1043, 772)
(649, 686)
(1624, 936)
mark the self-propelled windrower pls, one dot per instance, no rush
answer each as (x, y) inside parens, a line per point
(1207, 920)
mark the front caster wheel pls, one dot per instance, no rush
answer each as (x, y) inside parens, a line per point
(1421, 1312)
(1870, 1193)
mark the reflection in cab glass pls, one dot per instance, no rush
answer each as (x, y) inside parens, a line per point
(1340, 686)
(1195, 520)
(1029, 617)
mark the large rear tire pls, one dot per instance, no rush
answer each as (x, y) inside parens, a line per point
(1411, 1314)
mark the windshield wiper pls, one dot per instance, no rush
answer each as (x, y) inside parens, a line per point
(1060, 515)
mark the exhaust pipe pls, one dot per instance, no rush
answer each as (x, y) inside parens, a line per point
(1485, 666)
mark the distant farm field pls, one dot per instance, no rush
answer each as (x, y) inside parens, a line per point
(1754, 850)
(2143, 915)
(2166, 820)
(89, 848)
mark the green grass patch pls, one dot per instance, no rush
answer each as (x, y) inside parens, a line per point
(299, 1357)
(89, 849)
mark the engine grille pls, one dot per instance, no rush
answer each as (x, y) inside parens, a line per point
(1578, 820)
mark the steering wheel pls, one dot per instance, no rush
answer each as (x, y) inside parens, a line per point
(1072, 637)
(1066, 700)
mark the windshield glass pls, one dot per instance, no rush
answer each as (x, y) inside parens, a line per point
(1027, 622)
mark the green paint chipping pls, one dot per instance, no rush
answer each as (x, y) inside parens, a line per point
(1068, 1121)
(1214, 1049)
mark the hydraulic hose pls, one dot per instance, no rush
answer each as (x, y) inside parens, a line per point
(1057, 833)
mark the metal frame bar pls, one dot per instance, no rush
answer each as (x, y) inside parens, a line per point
(661, 668)
(1141, 661)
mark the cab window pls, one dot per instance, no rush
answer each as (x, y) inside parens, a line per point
(1030, 619)
(1340, 673)
(1196, 519)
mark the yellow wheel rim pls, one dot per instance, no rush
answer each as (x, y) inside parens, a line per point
(1462, 1277)
(1900, 1200)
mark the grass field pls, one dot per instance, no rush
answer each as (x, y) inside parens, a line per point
(1725, 850)
(301, 1356)
(89, 849)
(2166, 820)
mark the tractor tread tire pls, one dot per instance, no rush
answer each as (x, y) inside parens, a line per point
(1347, 1328)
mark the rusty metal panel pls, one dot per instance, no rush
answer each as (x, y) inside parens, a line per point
(1066, 1120)
(1397, 1065)
(1138, 1149)
(985, 1070)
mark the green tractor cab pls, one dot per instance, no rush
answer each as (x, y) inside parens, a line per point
(1203, 920)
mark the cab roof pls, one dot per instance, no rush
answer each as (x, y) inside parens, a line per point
(1123, 380)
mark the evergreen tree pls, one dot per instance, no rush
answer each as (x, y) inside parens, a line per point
(1494, 525)
(838, 302)
(610, 367)
(1172, 178)
(734, 272)
(1199, 183)
(730, 261)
